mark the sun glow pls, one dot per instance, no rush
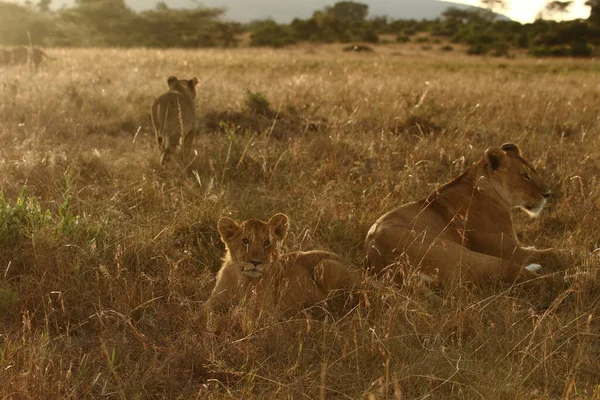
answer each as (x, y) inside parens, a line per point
(526, 11)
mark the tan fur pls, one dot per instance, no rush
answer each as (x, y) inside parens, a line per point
(464, 230)
(174, 118)
(253, 267)
(5, 57)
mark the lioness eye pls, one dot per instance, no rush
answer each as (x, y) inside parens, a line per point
(245, 241)
(267, 243)
(526, 176)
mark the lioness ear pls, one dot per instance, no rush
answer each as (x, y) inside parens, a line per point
(279, 224)
(194, 81)
(228, 228)
(172, 80)
(511, 149)
(494, 156)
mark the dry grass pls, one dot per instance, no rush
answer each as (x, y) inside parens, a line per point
(101, 295)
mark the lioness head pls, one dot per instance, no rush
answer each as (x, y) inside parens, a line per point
(254, 244)
(514, 179)
(185, 86)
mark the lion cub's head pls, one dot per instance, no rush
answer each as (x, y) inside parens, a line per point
(185, 86)
(514, 179)
(253, 244)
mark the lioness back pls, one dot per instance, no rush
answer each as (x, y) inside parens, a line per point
(174, 118)
(253, 265)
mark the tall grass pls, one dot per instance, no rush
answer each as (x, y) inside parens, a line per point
(106, 258)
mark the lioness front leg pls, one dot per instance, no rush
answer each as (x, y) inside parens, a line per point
(549, 259)
(450, 261)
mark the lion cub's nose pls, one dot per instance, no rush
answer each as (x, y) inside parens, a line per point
(546, 194)
(256, 263)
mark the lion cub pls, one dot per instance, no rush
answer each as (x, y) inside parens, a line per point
(174, 118)
(253, 266)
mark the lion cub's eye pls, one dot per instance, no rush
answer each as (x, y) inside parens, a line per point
(245, 241)
(526, 176)
(267, 243)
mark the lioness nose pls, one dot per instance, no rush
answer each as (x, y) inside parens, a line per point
(546, 194)
(255, 262)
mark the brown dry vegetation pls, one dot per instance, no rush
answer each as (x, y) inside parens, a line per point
(105, 264)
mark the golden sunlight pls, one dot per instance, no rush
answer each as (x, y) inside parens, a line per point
(527, 11)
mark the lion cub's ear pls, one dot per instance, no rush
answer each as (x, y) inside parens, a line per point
(194, 81)
(228, 228)
(494, 156)
(172, 80)
(511, 149)
(279, 224)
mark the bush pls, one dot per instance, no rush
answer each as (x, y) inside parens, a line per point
(581, 49)
(477, 49)
(20, 219)
(269, 33)
(257, 103)
(501, 49)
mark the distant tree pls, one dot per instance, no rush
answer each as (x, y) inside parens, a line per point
(102, 22)
(269, 33)
(493, 5)
(349, 11)
(559, 6)
(554, 9)
(18, 24)
(461, 15)
(44, 5)
(195, 27)
(594, 12)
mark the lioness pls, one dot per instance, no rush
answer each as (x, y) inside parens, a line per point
(23, 55)
(254, 266)
(464, 230)
(174, 118)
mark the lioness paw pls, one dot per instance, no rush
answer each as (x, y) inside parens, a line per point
(535, 268)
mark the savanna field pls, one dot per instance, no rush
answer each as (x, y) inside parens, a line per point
(106, 258)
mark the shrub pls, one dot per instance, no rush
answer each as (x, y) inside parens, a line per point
(20, 219)
(269, 33)
(477, 49)
(501, 49)
(257, 103)
(581, 49)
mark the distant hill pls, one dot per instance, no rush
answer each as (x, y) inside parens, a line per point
(284, 11)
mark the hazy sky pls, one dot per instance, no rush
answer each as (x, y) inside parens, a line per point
(526, 10)
(285, 10)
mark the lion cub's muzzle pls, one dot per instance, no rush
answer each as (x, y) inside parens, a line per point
(254, 269)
